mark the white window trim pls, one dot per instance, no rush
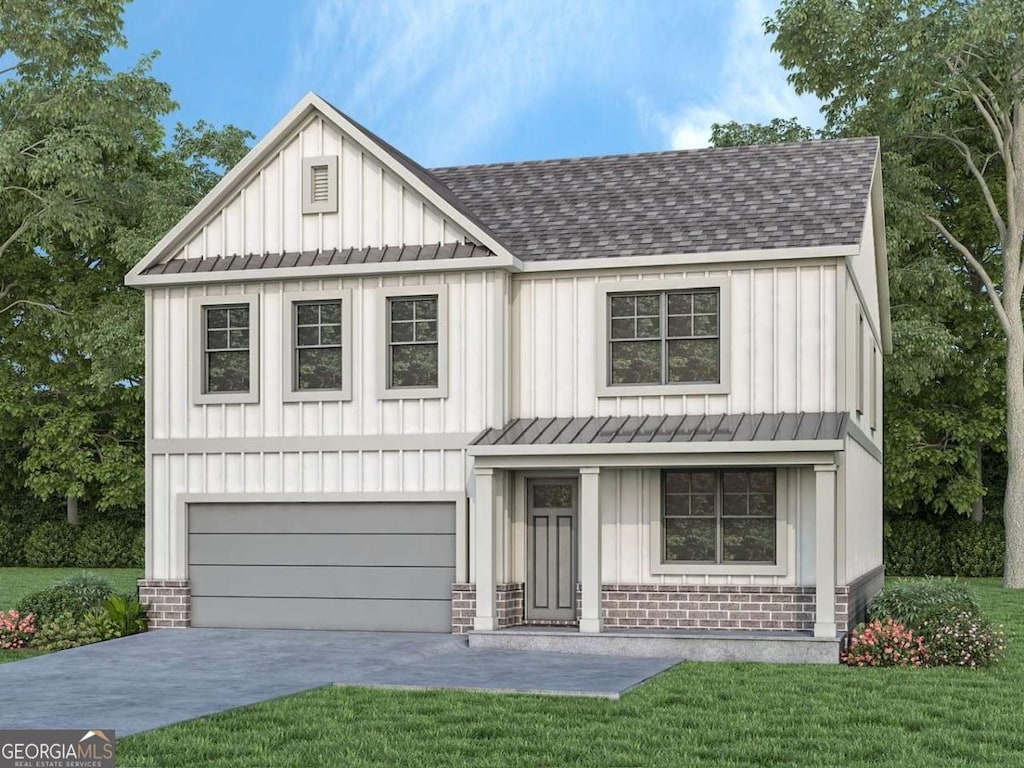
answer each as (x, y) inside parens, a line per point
(197, 358)
(875, 385)
(330, 205)
(384, 392)
(604, 289)
(290, 393)
(860, 367)
(778, 568)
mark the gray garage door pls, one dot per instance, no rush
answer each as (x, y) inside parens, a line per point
(322, 566)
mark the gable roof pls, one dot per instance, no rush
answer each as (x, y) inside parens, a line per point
(803, 194)
(418, 177)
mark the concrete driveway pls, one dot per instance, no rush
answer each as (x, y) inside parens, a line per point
(158, 678)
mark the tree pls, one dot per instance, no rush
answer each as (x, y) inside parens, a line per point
(86, 186)
(949, 72)
(778, 131)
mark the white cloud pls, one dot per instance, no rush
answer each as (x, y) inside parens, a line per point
(751, 87)
(448, 74)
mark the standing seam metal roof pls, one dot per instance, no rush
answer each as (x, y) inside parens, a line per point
(737, 427)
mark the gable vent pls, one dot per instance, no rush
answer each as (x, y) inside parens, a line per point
(321, 184)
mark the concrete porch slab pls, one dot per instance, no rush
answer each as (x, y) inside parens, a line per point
(772, 647)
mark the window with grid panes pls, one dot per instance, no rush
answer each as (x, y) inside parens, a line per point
(226, 348)
(412, 359)
(318, 345)
(664, 337)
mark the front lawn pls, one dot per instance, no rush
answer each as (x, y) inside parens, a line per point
(16, 583)
(696, 714)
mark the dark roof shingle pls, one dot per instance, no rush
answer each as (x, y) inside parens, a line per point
(691, 201)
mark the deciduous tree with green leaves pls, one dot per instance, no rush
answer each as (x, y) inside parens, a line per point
(949, 73)
(87, 184)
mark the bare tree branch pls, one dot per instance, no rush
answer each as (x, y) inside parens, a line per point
(979, 270)
(47, 307)
(15, 235)
(979, 176)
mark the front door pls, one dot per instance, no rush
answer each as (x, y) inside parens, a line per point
(551, 549)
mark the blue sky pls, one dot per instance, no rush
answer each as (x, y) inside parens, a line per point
(462, 81)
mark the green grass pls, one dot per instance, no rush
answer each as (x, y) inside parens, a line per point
(16, 583)
(696, 714)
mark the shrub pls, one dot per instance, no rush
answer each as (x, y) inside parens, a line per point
(911, 602)
(976, 549)
(126, 614)
(67, 631)
(913, 548)
(16, 629)
(10, 545)
(884, 643)
(50, 545)
(962, 640)
(76, 595)
(103, 545)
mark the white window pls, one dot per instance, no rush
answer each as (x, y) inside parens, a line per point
(225, 366)
(317, 347)
(413, 348)
(663, 337)
(320, 184)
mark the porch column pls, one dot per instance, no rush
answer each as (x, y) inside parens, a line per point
(590, 549)
(825, 550)
(483, 521)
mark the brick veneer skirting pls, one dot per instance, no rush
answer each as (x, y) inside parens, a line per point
(508, 606)
(463, 608)
(169, 602)
(685, 606)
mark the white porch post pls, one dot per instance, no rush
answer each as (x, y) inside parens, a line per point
(590, 549)
(825, 550)
(483, 521)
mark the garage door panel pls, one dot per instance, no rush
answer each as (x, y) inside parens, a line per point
(395, 549)
(311, 613)
(339, 565)
(367, 517)
(334, 581)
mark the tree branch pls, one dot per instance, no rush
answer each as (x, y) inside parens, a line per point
(47, 307)
(15, 235)
(979, 176)
(979, 269)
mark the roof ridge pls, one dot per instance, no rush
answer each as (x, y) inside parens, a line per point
(655, 153)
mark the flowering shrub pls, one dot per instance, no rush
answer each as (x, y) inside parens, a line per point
(962, 639)
(885, 643)
(16, 630)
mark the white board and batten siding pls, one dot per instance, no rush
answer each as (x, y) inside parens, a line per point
(782, 342)
(208, 448)
(375, 208)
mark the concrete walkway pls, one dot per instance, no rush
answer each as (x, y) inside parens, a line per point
(158, 678)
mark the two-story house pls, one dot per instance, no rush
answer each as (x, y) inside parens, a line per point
(636, 395)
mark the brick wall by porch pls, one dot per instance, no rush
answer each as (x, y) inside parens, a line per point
(169, 602)
(508, 606)
(686, 606)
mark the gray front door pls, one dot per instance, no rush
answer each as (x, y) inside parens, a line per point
(551, 549)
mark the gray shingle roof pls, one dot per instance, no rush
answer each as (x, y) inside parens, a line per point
(667, 429)
(785, 195)
(321, 258)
